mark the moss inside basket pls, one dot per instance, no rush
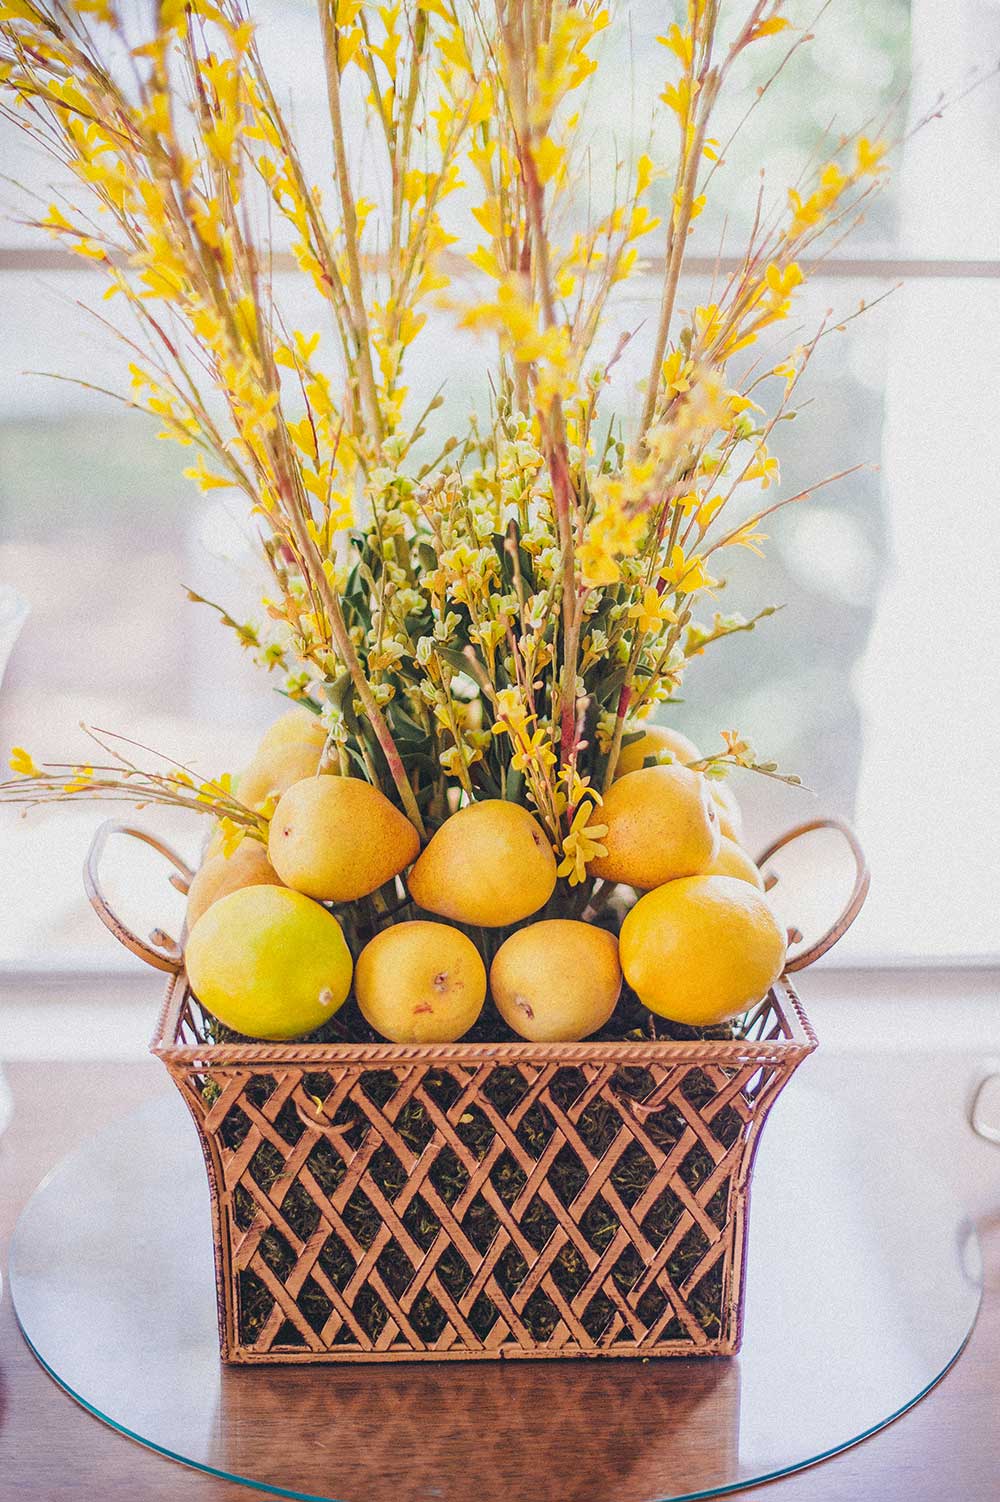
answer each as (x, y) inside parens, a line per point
(597, 1126)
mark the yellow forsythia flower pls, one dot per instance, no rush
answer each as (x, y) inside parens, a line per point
(651, 612)
(868, 162)
(23, 763)
(581, 844)
(687, 575)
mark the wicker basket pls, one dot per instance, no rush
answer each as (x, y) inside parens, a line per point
(428, 1224)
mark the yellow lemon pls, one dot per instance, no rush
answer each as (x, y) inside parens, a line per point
(215, 843)
(248, 866)
(730, 817)
(732, 860)
(296, 727)
(268, 962)
(420, 983)
(556, 981)
(289, 750)
(701, 949)
(662, 823)
(338, 838)
(489, 864)
(272, 774)
(656, 741)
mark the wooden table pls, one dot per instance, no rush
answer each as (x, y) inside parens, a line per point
(51, 1449)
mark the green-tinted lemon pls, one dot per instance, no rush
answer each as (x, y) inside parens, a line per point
(268, 962)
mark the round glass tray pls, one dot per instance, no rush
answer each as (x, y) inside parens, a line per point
(863, 1284)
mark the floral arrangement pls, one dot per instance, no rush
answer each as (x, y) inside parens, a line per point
(465, 620)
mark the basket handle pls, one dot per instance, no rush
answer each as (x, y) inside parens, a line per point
(160, 951)
(856, 901)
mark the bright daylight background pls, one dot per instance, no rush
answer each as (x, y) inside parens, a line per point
(876, 682)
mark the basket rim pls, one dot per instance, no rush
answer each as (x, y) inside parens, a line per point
(800, 1043)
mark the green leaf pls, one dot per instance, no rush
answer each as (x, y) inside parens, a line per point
(515, 785)
(404, 728)
(339, 692)
(359, 761)
(611, 688)
(453, 658)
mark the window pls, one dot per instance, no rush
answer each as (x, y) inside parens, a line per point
(876, 680)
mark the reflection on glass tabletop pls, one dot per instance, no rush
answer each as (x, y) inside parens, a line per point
(863, 1283)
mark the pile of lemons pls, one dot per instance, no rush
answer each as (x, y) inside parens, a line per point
(270, 960)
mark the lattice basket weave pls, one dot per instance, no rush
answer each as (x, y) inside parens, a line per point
(428, 1222)
(468, 1202)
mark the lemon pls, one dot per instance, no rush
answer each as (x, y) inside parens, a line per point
(338, 838)
(730, 817)
(297, 726)
(289, 750)
(215, 844)
(489, 864)
(701, 949)
(420, 982)
(268, 962)
(658, 741)
(662, 823)
(248, 866)
(271, 775)
(732, 860)
(556, 981)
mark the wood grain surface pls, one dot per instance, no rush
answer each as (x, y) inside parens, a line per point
(51, 1449)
